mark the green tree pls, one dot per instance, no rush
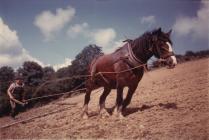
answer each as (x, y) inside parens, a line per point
(82, 61)
(189, 53)
(49, 73)
(6, 77)
(32, 73)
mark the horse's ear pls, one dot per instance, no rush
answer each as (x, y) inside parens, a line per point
(169, 32)
(159, 30)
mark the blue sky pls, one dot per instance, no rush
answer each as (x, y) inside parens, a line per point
(52, 32)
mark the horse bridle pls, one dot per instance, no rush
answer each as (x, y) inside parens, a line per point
(135, 60)
(162, 56)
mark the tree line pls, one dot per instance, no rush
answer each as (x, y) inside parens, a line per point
(35, 77)
(41, 81)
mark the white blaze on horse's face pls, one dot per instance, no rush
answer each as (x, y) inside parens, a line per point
(171, 50)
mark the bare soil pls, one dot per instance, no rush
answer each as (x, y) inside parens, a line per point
(168, 104)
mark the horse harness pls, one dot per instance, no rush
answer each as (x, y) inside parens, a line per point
(131, 59)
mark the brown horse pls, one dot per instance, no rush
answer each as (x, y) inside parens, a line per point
(134, 53)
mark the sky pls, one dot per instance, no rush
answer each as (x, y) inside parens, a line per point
(53, 32)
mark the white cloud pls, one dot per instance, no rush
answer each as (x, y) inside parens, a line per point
(197, 26)
(11, 51)
(50, 23)
(66, 63)
(78, 29)
(103, 37)
(148, 20)
(114, 46)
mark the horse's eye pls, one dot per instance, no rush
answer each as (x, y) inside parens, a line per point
(164, 48)
(162, 43)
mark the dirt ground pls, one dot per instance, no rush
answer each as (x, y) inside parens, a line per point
(168, 104)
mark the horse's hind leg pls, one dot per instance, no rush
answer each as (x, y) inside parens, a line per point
(86, 102)
(119, 101)
(102, 99)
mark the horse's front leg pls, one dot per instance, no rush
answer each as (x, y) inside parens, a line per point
(129, 96)
(119, 101)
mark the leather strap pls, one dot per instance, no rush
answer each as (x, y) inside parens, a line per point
(132, 58)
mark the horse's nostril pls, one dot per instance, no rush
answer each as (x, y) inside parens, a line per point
(172, 66)
(169, 61)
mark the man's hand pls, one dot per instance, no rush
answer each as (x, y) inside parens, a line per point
(17, 101)
(24, 101)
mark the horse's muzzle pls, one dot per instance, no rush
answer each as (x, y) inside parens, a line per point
(171, 61)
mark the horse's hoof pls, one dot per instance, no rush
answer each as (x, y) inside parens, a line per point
(104, 114)
(115, 112)
(121, 116)
(84, 116)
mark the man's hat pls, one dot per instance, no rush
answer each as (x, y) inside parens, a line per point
(18, 77)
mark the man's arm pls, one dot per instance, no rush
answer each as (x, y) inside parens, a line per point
(17, 101)
(10, 90)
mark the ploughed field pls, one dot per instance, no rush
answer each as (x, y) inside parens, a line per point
(168, 104)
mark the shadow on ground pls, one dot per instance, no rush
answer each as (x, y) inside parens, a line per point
(132, 110)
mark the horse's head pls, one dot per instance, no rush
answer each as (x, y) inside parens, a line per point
(162, 47)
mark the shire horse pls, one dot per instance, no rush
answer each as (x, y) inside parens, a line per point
(134, 53)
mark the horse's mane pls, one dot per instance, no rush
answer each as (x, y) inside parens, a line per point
(118, 49)
(145, 36)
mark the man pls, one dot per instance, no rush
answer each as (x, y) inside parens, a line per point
(15, 92)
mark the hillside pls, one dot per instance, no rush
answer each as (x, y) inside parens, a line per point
(168, 104)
